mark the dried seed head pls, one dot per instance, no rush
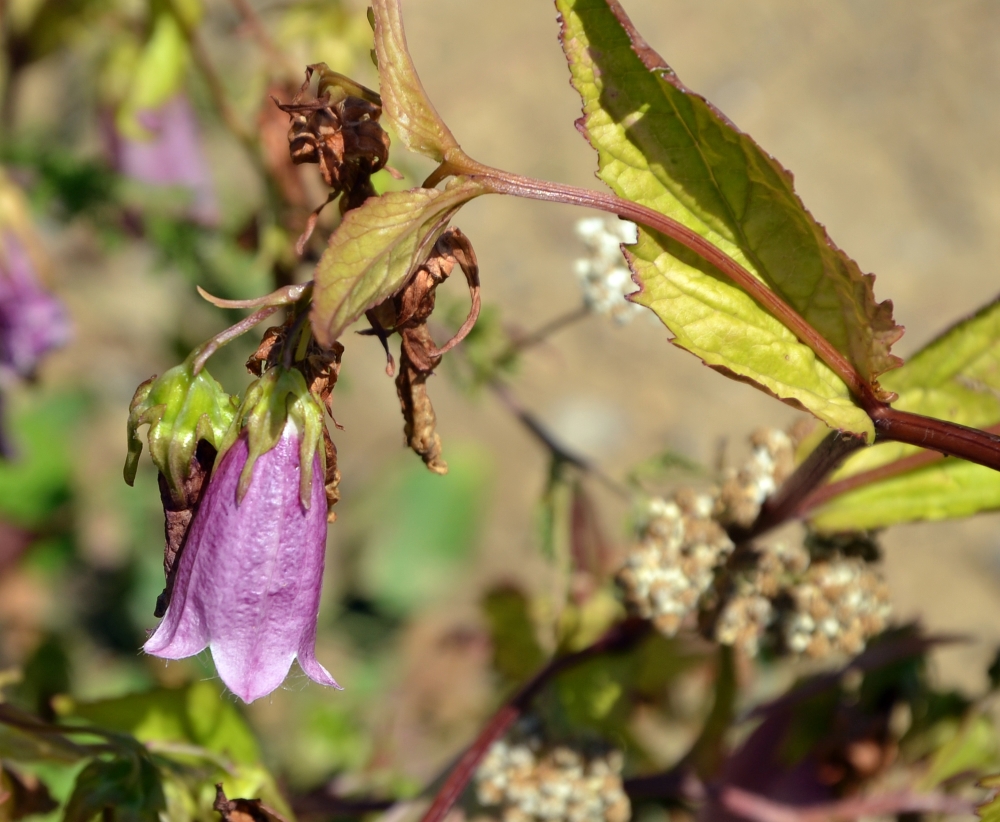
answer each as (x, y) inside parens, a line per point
(745, 489)
(339, 130)
(672, 566)
(743, 621)
(836, 608)
(532, 782)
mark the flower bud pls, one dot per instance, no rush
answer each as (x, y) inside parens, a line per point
(278, 397)
(181, 408)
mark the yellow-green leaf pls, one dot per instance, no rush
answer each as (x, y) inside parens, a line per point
(404, 100)
(723, 326)
(376, 247)
(956, 377)
(664, 147)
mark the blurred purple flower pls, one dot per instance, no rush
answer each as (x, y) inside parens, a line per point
(32, 321)
(172, 156)
(249, 578)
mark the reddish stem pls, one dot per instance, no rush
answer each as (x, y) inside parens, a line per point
(620, 637)
(823, 495)
(788, 501)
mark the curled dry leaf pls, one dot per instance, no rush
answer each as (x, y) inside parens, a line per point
(177, 516)
(243, 810)
(407, 314)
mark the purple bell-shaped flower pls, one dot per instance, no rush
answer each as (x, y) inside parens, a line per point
(32, 321)
(249, 576)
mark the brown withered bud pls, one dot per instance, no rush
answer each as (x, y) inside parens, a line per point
(243, 810)
(407, 314)
(177, 516)
(338, 130)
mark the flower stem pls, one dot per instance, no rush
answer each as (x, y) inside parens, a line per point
(619, 638)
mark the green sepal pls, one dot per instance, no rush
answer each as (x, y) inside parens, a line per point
(278, 398)
(181, 409)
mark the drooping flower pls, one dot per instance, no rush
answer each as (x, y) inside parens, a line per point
(249, 577)
(32, 320)
(167, 151)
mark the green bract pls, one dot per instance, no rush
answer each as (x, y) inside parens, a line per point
(404, 100)
(375, 248)
(278, 398)
(180, 409)
(666, 148)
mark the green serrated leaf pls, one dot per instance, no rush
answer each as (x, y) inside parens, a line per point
(956, 377)
(375, 249)
(404, 100)
(666, 148)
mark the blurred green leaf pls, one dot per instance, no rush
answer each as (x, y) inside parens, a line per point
(197, 714)
(516, 652)
(974, 748)
(593, 695)
(123, 789)
(664, 147)
(45, 674)
(486, 353)
(22, 746)
(406, 105)
(157, 76)
(421, 527)
(990, 811)
(376, 247)
(956, 377)
(37, 480)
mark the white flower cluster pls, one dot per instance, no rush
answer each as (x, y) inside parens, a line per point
(839, 605)
(666, 574)
(744, 490)
(815, 599)
(603, 275)
(749, 610)
(532, 783)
